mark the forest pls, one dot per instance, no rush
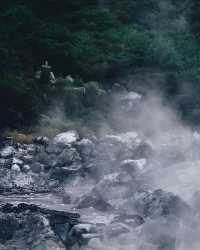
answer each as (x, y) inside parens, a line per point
(98, 43)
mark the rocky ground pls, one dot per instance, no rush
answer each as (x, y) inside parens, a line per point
(120, 191)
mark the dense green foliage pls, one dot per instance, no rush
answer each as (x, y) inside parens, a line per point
(92, 40)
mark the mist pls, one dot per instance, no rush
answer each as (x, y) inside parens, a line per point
(173, 166)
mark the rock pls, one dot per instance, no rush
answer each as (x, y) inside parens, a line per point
(79, 232)
(24, 138)
(61, 173)
(143, 150)
(41, 140)
(86, 148)
(129, 219)
(130, 102)
(94, 200)
(68, 157)
(26, 226)
(9, 226)
(83, 228)
(17, 161)
(53, 149)
(7, 152)
(26, 168)
(15, 168)
(62, 230)
(6, 163)
(160, 203)
(133, 167)
(37, 167)
(66, 138)
(118, 89)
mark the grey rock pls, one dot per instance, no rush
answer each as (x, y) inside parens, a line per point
(86, 148)
(42, 140)
(133, 167)
(160, 203)
(17, 161)
(37, 167)
(26, 168)
(68, 156)
(94, 200)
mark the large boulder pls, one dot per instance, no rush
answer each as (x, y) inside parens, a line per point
(160, 203)
(31, 227)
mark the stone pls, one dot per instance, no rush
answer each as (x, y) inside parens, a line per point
(41, 140)
(26, 168)
(160, 203)
(95, 201)
(9, 226)
(7, 152)
(83, 228)
(15, 168)
(118, 89)
(86, 148)
(53, 149)
(6, 163)
(66, 138)
(133, 167)
(143, 150)
(132, 220)
(37, 167)
(68, 156)
(62, 230)
(17, 161)
(61, 173)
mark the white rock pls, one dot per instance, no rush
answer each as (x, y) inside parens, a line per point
(15, 168)
(17, 161)
(132, 96)
(139, 164)
(66, 138)
(7, 151)
(86, 227)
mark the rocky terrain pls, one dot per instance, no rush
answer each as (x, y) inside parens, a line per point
(132, 190)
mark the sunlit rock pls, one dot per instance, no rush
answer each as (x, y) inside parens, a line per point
(15, 168)
(7, 152)
(17, 161)
(66, 138)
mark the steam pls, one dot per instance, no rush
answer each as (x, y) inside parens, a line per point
(167, 18)
(174, 167)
